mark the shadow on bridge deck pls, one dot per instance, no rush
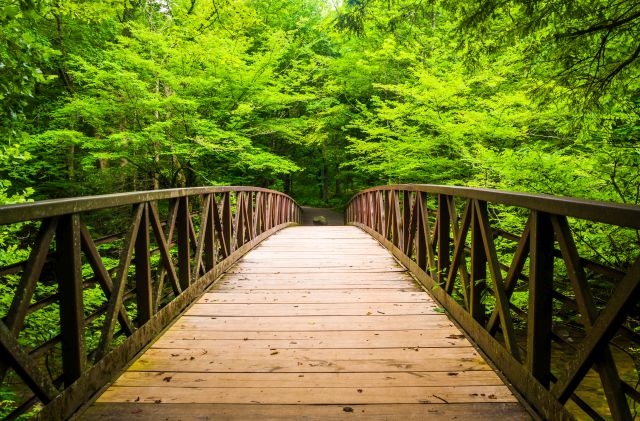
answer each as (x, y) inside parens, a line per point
(314, 324)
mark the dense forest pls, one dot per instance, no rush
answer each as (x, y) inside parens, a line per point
(319, 99)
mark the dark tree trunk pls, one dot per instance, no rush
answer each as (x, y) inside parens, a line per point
(325, 180)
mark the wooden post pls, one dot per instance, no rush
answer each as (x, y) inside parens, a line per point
(540, 298)
(240, 222)
(184, 248)
(406, 220)
(421, 235)
(209, 237)
(69, 273)
(478, 266)
(444, 239)
(144, 290)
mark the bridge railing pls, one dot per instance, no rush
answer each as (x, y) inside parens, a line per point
(546, 286)
(85, 301)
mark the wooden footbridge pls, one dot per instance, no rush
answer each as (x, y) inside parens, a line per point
(433, 302)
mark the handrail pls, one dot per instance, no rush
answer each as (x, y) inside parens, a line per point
(593, 210)
(196, 234)
(10, 214)
(453, 240)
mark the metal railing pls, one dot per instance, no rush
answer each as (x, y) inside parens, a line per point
(115, 292)
(529, 278)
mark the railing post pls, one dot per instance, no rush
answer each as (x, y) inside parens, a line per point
(184, 249)
(240, 220)
(227, 224)
(250, 227)
(478, 265)
(444, 239)
(144, 292)
(406, 220)
(382, 205)
(369, 206)
(268, 211)
(69, 273)
(209, 249)
(257, 226)
(540, 298)
(421, 235)
(394, 204)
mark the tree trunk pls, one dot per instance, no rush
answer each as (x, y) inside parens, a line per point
(70, 162)
(325, 180)
(337, 179)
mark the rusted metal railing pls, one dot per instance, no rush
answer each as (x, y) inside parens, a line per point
(546, 304)
(115, 292)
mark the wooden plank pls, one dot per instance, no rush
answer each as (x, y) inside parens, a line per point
(199, 355)
(312, 323)
(338, 243)
(311, 360)
(321, 248)
(301, 236)
(309, 380)
(447, 337)
(320, 261)
(343, 309)
(336, 237)
(345, 276)
(313, 396)
(325, 266)
(317, 296)
(334, 269)
(402, 293)
(307, 254)
(112, 411)
(299, 332)
(450, 339)
(287, 285)
(337, 339)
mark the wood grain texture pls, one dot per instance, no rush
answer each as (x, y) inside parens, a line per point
(445, 337)
(317, 323)
(309, 395)
(312, 309)
(405, 412)
(317, 296)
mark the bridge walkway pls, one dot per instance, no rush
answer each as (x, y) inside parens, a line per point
(315, 323)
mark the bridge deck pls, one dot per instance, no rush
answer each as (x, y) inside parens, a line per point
(316, 323)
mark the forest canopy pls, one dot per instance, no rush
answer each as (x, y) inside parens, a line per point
(319, 99)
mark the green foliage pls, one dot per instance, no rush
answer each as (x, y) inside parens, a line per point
(590, 47)
(111, 96)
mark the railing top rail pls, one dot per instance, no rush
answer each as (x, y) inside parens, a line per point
(619, 214)
(11, 214)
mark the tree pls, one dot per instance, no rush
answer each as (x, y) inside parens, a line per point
(589, 47)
